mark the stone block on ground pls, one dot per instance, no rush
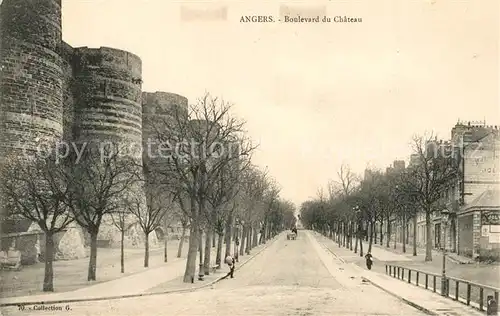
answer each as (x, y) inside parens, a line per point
(71, 246)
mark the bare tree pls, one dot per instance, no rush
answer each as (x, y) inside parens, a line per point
(373, 200)
(121, 220)
(225, 188)
(271, 197)
(184, 215)
(152, 213)
(36, 189)
(426, 180)
(98, 181)
(185, 225)
(199, 136)
(347, 180)
(254, 184)
(343, 188)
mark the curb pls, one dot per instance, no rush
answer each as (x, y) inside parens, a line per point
(104, 298)
(408, 302)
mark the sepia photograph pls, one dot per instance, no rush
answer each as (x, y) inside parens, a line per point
(231, 157)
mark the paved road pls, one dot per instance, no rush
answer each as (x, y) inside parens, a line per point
(289, 278)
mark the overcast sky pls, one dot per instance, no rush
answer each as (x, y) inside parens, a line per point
(315, 96)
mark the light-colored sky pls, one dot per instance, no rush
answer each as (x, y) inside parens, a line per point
(315, 96)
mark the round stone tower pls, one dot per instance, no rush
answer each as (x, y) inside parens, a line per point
(108, 96)
(30, 75)
(108, 111)
(160, 110)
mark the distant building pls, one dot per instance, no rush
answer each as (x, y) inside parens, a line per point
(474, 200)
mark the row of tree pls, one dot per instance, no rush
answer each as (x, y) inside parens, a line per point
(205, 180)
(354, 208)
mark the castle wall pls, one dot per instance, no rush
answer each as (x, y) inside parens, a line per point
(31, 78)
(108, 91)
(159, 108)
(67, 53)
(107, 110)
(51, 91)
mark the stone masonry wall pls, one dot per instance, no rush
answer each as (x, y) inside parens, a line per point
(50, 90)
(108, 90)
(31, 77)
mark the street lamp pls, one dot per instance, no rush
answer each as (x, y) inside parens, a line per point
(444, 280)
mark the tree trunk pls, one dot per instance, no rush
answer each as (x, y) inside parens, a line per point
(214, 238)
(428, 242)
(249, 240)
(415, 235)
(189, 273)
(181, 242)
(146, 250)
(122, 250)
(351, 229)
(255, 238)
(395, 235)
(165, 245)
(228, 237)
(243, 240)
(381, 232)
(404, 233)
(348, 235)
(208, 250)
(388, 240)
(48, 279)
(218, 257)
(236, 242)
(356, 234)
(344, 235)
(228, 233)
(360, 240)
(200, 249)
(263, 235)
(370, 241)
(91, 276)
(339, 234)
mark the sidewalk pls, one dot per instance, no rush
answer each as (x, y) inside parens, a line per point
(71, 275)
(422, 299)
(128, 285)
(431, 303)
(138, 283)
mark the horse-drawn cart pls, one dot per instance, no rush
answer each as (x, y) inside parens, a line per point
(291, 236)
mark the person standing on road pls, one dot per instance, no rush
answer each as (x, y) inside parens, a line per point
(230, 262)
(369, 260)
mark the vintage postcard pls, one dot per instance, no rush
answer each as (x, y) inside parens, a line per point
(177, 157)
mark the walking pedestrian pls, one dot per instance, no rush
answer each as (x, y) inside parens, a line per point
(230, 262)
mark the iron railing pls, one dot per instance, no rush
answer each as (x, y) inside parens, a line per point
(467, 292)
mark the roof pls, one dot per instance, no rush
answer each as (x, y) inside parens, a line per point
(487, 199)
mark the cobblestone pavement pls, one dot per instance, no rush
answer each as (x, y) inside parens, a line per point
(291, 277)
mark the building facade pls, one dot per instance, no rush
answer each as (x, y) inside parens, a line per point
(473, 228)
